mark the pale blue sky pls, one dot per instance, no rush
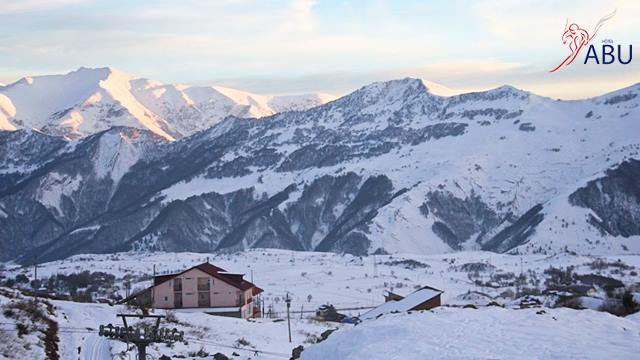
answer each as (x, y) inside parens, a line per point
(287, 46)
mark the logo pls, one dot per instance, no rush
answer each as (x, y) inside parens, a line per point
(576, 38)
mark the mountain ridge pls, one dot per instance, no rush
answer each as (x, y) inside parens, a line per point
(96, 99)
(387, 168)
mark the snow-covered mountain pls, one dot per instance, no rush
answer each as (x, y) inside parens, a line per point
(87, 101)
(390, 167)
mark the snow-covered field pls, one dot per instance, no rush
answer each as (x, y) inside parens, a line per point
(343, 280)
(445, 333)
(488, 333)
(78, 335)
(211, 333)
(355, 284)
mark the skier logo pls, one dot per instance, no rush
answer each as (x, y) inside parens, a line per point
(576, 38)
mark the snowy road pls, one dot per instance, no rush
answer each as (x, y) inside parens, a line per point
(96, 348)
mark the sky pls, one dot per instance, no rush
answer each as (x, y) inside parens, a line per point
(332, 46)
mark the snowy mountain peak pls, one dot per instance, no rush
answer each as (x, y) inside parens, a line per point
(439, 89)
(399, 86)
(94, 99)
(505, 91)
(418, 86)
(628, 96)
(102, 71)
(379, 96)
(27, 80)
(509, 89)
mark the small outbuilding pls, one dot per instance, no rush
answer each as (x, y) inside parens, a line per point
(424, 298)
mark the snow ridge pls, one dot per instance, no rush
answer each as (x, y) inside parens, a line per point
(90, 100)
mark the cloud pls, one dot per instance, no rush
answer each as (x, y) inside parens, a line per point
(467, 67)
(299, 45)
(300, 18)
(22, 6)
(534, 23)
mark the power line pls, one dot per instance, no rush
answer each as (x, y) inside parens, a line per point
(59, 327)
(209, 342)
(337, 309)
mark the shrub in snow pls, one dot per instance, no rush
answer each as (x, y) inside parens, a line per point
(170, 317)
(559, 276)
(475, 267)
(615, 307)
(571, 303)
(604, 264)
(242, 342)
(296, 352)
(407, 264)
(200, 353)
(220, 356)
(629, 304)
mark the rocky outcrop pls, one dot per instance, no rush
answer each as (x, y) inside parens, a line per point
(457, 220)
(517, 233)
(614, 200)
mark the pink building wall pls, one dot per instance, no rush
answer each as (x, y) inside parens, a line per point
(221, 293)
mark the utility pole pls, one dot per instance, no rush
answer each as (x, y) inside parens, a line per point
(520, 279)
(35, 279)
(153, 293)
(259, 298)
(288, 301)
(127, 287)
(375, 267)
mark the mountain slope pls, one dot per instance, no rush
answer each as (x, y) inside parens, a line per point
(87, 101)
(390, 167)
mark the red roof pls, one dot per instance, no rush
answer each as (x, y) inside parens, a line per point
(257, 290)
(235, 280)
(209, 268)
(162, 278)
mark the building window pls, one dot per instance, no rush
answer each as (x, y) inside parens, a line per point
(204, 299)
(203, 284)
(166, 298)
(177, 284)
